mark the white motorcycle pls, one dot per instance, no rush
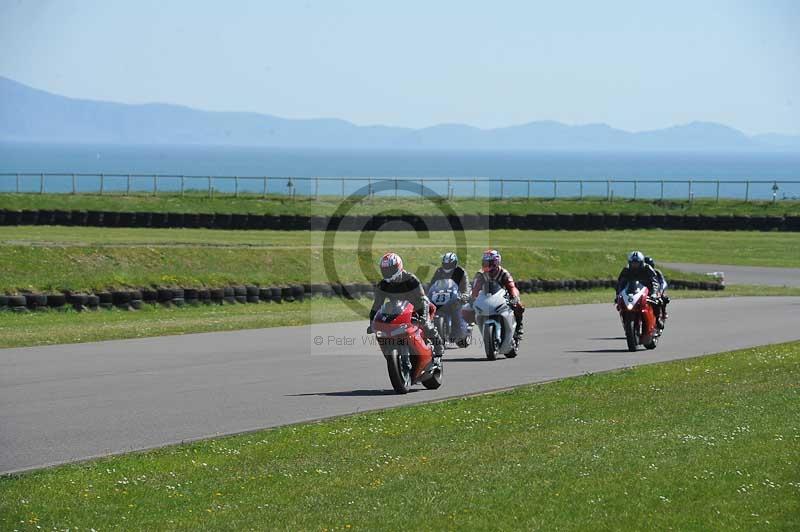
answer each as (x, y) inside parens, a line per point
(495, 317)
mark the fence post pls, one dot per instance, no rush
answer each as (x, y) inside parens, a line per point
(608, 190)
(128, 186)
(662, 190)
(342, 179)
(395, 188)
(316, 188)
(449, 189)
(369, 187)
(581, 185)
(717, 190)
(690, 191)
(182, 184)
(747, 191)
(474, 188)
(102, 183)
(264, 190)
(155, 184)
(502, 187)
(635, 188)
(422, 187)
(41, 183)
(17, 183)
(555, 188)
(236, 186)
(529, 189)
(73, 185)
(209, 187)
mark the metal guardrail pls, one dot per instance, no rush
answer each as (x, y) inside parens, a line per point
(463, 187)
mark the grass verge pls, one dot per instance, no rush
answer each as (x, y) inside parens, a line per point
(194, 203)
(73, 258)
(706, 443)
(63, 327)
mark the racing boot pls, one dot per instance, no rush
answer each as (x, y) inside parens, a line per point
(438, 353)
(519, 332)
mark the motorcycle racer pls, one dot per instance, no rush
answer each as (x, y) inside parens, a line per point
(397, 283)
(451, 270)
(491, 270)
(637, 270)
(662, 288)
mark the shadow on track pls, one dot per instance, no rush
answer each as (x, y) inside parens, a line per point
(609, 338)
(622, 350)
(349, 393)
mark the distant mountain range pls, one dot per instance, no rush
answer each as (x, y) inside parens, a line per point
(32, 115)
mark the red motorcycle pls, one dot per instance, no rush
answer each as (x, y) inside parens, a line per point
(637, 315)
(409, 355)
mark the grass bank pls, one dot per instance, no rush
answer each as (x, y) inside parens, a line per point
(85, 258)
(704, 443)
(197, 203)
(63, 327)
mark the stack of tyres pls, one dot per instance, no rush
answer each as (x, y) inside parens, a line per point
(18, 303)
(191, 296)
(177, 297)
(252, 294)
(56, 301)
(136, 299)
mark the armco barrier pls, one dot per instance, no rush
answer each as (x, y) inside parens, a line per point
(539, 221)
(243, 294)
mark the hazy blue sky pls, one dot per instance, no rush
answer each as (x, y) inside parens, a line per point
(635, 65)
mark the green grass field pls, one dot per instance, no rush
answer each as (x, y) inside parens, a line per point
(709, 443)
(78, 258)
(192, 203)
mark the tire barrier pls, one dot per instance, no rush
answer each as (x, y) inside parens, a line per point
(135, 299)
(540, 221)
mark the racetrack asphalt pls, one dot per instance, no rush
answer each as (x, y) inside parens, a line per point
(71, 402)
(752, 275)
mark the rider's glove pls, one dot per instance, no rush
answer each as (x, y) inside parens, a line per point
(652, 300)
(514, 301)
(369, 329)
(464, 297)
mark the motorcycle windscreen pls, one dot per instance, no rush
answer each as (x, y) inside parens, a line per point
(394, 308)
(443, 291)
(633, 287)
(491, 287)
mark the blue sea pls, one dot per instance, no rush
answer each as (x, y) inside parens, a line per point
(595, 168)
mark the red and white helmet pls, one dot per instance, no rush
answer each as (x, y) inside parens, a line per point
(391, 266)
(491, 261)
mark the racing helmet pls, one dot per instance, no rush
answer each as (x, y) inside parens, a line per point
(391, 266)
(449, 261)
(490, 263)
(635, 257)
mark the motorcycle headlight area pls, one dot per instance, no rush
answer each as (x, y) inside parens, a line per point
(397, 331)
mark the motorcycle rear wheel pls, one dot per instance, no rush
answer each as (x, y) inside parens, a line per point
(489, 344)
(398, 364)
(630, 335)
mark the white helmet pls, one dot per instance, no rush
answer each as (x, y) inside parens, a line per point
(449, 261)
(636, 256)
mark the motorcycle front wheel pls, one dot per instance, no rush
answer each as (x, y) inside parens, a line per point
(398, 364)
(489, 343)
(630, 334)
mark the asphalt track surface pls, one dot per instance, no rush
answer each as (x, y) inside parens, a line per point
(71, 402)
(753, 275)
